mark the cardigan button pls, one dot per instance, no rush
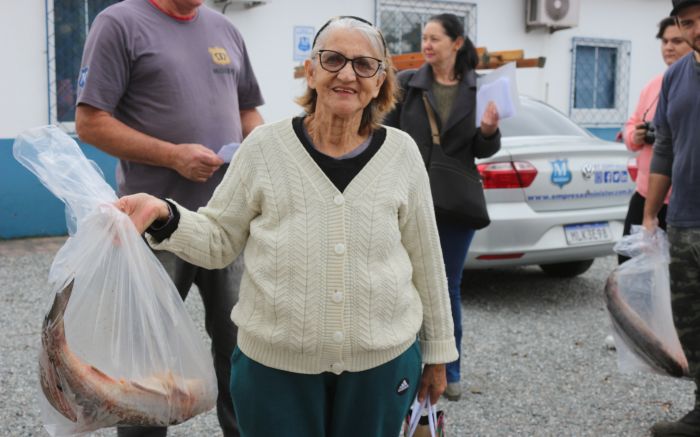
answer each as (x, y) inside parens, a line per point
(337, 368)
(337, 296)
(338, 337)
(339, 199)
(340, 248)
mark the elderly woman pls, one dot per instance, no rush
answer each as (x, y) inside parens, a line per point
(448, 81)
(344, 293)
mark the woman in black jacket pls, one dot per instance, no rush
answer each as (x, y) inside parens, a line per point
(449, 80)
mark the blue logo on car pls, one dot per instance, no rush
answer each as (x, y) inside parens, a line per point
(611, 177)
(561, 175)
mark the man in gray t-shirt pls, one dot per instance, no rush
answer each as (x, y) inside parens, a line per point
(163, 85)
(676, 160)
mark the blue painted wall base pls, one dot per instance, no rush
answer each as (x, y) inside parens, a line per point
(27, 208)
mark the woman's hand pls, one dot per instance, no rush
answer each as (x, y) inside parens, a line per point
(489, 121)
(143, 209)
(433, 382)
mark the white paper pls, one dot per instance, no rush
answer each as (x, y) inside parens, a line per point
(227, 151)
(498, 92)
(499, 86)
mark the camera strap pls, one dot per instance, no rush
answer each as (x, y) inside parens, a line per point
(644, 116)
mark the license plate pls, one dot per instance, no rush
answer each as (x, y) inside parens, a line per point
(583, 233)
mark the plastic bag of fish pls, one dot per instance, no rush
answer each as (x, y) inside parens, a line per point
(117, 345)
(638, 299)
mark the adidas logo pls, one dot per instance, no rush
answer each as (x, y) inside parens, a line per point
(403, 386)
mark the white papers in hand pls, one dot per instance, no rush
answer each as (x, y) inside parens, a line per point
(499, 86)
(227, 151)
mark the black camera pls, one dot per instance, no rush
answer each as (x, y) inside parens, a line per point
(649, 135)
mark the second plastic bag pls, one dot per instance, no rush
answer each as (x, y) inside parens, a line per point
(118, 347)
(639, 303)
(430, 425)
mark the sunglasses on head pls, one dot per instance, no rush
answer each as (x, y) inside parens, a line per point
(351, 17)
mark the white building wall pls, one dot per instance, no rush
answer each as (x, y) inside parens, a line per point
(631, 20)
(500, 26)
(23, 84)
(268, 31)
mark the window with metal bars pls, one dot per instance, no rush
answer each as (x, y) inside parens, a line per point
(599, 81)
(67, 23)
(402, 21)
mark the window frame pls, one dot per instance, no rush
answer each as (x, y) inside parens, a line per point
(602, 117)
(465, 9)
(51, 58)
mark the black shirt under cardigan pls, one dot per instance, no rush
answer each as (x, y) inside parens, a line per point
(339, 171)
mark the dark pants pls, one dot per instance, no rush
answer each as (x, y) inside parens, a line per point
(372, 403)
(219, 292)
(685, 291)
(455, 240)
(635, 216)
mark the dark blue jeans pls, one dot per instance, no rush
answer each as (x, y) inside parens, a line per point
(455, 240)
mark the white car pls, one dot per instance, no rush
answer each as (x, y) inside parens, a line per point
(557, 196)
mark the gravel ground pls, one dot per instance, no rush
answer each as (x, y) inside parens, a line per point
(534, 359)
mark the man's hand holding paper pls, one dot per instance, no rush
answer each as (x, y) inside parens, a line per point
(227, 151)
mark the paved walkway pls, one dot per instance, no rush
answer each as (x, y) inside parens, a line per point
(534, 360)
(24, 299)
(28, 246)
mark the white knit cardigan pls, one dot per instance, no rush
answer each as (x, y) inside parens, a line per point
(333, 281)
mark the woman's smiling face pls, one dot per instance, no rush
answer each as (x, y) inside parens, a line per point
(344, 93)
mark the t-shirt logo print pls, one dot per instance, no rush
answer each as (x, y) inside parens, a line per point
(219, 55)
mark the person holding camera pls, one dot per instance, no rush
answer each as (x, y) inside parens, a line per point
(639, 134)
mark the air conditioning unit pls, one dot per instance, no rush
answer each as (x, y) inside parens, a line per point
(554, 14)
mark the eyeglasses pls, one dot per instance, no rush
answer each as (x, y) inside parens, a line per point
(352, 17)
(363, 66)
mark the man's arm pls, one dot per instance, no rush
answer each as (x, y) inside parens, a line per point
(250, 119)
(659, 179)
(99, 128)
(659, 185)
(661, 166)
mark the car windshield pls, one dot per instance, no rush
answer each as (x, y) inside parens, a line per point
(536, 118)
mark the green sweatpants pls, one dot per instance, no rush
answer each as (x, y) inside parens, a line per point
(372, 403)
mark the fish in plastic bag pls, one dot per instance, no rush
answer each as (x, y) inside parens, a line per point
(638, 299)
(118, 347)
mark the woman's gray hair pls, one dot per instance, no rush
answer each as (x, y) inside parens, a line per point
(371, 33)
(385, 101)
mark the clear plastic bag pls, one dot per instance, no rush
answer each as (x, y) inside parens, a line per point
(431, 425)
(638, 298)
(118, 347)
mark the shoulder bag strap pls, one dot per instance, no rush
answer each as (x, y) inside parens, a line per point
(431, 119)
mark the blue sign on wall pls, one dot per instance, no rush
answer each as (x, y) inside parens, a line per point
(303, 38)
